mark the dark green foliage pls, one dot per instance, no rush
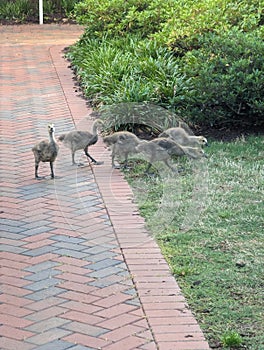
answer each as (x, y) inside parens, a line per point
(202, 60)
(19, 11)
(171, 21)
(227, 75)
(16, 10)
(231, 339)
(119, 17)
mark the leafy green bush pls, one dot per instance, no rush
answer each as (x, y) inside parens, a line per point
(188, 19)
(171, 22)
(227, 78)
(118, 17)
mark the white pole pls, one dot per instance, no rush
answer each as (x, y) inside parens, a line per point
(40, 11)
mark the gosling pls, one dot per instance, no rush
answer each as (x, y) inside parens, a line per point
(46, 151)
(162, 149)
(180, 136)
(81, 140)
(122, 144)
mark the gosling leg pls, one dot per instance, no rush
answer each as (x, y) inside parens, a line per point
(113, 158)
(148, 167)
(36, 172)
(51, 169)
(170, 166)
(73, 160)
(125, 162)
(92, 159)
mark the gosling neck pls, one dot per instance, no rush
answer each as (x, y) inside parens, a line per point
(52, 137)
(95, 126)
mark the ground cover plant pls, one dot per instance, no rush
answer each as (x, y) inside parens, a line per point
(129, 69)
(26, 11)
(217, 255)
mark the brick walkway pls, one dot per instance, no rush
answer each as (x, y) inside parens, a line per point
(78, 269)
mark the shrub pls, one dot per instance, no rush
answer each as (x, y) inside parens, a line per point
(118, 17)
(188, 19)
(171, 22)
(227, 74)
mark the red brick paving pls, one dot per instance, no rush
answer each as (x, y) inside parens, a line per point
(78, 268)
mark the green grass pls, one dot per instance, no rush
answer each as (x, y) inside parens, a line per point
(208, 222)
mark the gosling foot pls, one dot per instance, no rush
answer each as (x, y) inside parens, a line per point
(98, 163)
(39, 177)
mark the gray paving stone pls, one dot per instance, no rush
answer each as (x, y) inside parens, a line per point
(102, 256)
(47, 324)
(133, 302)
(88, 209)
(40, 251)
(53, 334)
(36, 230)
(104, 264)
(105, 282)
(55, 345)
(42, 275)
(10, 222)
(69, 246)
(62, 225)
(12, 249)
(71, 253)
(45, 293)
(45, 265)
(131, 291)
(80, 347)
(12, 229)
(83, 205)
(33, 190)
(68, 239)
(36, 224)
(10, 235)
(96, 249)
(105, 272)
(85, 328)
(46, 283)
(28, 197)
